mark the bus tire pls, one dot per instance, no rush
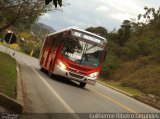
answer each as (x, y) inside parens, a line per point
(49, 71)
(82, 85)
(42, 69)
(50, 74)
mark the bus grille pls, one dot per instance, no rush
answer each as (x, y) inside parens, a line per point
(76, 75)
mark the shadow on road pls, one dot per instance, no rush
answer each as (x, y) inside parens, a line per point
(62, 79)
(68, 81)
(65, 80)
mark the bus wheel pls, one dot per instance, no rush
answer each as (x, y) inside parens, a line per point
(82, 85)
(42, 69)
(50, 74)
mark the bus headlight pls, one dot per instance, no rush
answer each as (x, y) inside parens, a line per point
(61, 64)
(95, 74)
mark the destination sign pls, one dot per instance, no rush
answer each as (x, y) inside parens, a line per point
(86, 36)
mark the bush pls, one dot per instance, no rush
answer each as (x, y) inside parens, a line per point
(26, 47)
(144, 46)
(109, 66)
(131, 50)
(36, 52)
(146, 82)
(156, 48)
(139, 47)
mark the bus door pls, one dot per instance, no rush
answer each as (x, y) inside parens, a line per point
(48, 51)
(45, 51)
(56, 48)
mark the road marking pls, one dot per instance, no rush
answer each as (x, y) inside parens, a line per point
(26, 62)
(114, 101)
(54, 92)
(69, 109)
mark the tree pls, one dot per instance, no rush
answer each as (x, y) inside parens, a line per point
(18, 12)
(151, 16)
(55, 2)
(124, 32)
(102, 31)
(27, 36)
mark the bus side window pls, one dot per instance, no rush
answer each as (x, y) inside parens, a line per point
(49, 42)
(58, 39)
(53, 41)
(45, 43)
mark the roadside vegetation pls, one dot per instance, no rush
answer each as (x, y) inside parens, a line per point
(117, 86)
(142, 74)
(133, 58)
(20, 17)
(8, 75)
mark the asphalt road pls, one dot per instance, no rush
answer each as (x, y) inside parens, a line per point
(59, 95)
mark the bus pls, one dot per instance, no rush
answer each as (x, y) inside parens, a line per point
(75, 54)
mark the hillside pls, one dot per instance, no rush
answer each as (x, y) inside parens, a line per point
(142, 73)
(37, 26)
(133, 55)
(42, 30)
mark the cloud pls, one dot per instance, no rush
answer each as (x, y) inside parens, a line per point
(102, 8)
(123, 9)
(129, 6)
(121, 16)
(86, 13)
(78, 23)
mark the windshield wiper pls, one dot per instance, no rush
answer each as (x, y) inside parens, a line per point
(91, 47)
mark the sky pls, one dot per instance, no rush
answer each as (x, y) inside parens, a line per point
(92, 13)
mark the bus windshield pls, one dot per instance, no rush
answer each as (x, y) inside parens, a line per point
(81, 52)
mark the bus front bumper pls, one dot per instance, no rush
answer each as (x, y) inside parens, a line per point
(73, 75)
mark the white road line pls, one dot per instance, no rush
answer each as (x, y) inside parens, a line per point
(26, 62)
(54, 92)
(114, 101)
(69, 109)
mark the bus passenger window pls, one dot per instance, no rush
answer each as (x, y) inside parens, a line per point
(49, 42)
(46, 42)
(59, 37)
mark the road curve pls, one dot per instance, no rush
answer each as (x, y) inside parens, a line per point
(59, 95)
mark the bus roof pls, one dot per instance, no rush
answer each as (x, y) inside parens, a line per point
(76, 28)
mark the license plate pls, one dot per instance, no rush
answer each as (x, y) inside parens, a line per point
(91, 82)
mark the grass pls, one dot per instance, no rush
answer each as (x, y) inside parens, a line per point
(117, 85)
(142, 74)
(8, 75)
(11, 46)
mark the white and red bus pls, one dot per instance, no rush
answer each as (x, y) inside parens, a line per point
(75, 54)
